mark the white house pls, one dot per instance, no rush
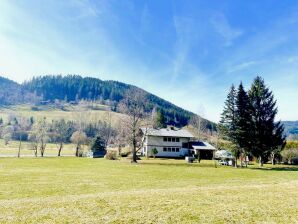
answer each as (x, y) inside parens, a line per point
(173, 143)
(169, 142)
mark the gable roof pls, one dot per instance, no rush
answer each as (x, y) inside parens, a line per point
(168, 132)
(199, 145)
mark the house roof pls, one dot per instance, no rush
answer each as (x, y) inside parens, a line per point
(199, 145)
(168, 132)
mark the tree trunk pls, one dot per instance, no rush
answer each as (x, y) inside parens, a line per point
(273, 159)
(41, 152)
(199, 156)
(261, 162)
(119, 150)
(134, 152)
(245, 159)
(19, 152)
(236, 166)
(60, 149)
(77, 150)
(35, 151)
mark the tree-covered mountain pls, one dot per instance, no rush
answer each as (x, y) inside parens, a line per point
(74, 88)
(13, 93)
(291, 127)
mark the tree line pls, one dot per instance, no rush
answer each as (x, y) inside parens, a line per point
(79, 131)
(249, 122)
(72, 88)
(86, 129)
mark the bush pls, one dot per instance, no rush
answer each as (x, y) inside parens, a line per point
(34, 108)
(111, 155)
(97, 144)
(124, 154)
(154, 152)
(290, 155)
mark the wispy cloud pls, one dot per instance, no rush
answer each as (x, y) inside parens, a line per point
(241, 66)
(186, 52)
(223, 27)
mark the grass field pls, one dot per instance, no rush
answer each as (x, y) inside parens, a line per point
(83, 190)
(52, 113)
(26, 149)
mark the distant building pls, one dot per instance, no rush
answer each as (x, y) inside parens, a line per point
(174, 143)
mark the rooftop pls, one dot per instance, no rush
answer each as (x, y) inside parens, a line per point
(199, 145)
(168, 132)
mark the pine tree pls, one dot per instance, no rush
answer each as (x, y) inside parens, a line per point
(267, 135)
(242, 121)
(98, 144)
(227, 125)
(227, 122)
(158, 118)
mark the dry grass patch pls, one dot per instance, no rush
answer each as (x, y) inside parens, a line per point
(80, 190)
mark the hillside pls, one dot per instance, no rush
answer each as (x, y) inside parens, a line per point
(291, 127)
(12, 92)
(72, 88)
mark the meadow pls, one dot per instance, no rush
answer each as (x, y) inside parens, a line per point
(70, 112)
(12, 148)
(84, 190)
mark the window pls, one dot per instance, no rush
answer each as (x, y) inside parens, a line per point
(173, 139)
(185, 145)
(173, 149)
(177, 149)
(164, 149)
(165, 139)
(177, 140)
(169, 139)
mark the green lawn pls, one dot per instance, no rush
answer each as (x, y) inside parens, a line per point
(84, 190)
(26, 149)
(52, 113)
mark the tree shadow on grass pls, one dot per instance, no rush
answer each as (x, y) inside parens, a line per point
(288, 168)
(165, 162)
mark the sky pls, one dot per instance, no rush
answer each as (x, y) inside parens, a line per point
(187, 52)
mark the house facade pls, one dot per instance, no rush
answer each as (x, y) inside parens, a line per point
(169, 142)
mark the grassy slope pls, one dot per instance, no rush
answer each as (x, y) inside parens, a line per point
(52, 113)
(81, 190)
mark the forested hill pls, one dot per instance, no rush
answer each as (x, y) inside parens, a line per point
(291, 127)
(12, 92)
(73, 88)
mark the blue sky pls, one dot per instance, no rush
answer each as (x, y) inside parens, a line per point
(188, 52)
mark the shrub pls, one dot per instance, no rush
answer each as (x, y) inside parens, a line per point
(111, 155)
(290, 155)
(34, 108)
(124, 154)
(97, 144)
(154, 152)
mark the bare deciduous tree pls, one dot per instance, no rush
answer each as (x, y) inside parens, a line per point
(7, 133)
(199, 124)
(22, 128)
(133, 105)
(78, 138)
(39, 135)
(60, 131)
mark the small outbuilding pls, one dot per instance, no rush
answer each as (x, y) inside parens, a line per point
(202, 149)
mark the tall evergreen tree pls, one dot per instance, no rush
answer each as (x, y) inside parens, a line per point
(227, 124)
(242, 134)
(267, 135)
(158, 118)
